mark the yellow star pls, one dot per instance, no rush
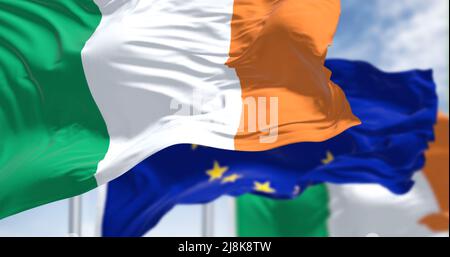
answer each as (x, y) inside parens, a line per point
(216, 172)
(194, 146)
(263, 187)
(231, 178)
(329, 158)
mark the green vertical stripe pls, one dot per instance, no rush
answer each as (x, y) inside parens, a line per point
(305, 215)
(52, 134)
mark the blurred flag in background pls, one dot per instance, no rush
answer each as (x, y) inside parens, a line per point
(397, 110)
(358, 210)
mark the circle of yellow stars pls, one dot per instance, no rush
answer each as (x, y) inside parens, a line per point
(217, 173)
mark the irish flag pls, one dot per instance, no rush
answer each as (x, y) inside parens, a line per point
(88, 89)
(358, 210)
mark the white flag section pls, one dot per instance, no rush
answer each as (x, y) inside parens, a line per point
(371, 210)
(144, 58)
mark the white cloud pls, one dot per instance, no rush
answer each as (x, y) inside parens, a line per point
(398, 35)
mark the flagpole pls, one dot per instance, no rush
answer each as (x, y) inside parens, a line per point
(75, 216)
(208, 220)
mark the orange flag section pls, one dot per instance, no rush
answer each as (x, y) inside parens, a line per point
(437, 173)
(278, 50)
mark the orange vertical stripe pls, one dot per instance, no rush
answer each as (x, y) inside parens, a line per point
(278, 49)
(437, 173)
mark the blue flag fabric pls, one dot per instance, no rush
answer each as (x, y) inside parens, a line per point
(397, 110)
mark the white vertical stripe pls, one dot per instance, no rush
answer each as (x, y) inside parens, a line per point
(148, 56)
(361, 210)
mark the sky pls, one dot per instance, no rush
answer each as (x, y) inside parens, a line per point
(397, 35)
(392, 35)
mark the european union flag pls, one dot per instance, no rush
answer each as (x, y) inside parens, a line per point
(397, 110)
